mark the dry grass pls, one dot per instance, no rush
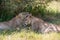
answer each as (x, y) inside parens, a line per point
(28, 35)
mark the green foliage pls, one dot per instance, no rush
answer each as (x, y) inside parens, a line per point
(53, 7)
(10, 8)
(7, 10)
(52, 12)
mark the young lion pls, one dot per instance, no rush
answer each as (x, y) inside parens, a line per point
(14, 23)
(39, 25)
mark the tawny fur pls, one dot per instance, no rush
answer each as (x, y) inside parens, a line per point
(25, 18)
(39, 25)
(14, 23)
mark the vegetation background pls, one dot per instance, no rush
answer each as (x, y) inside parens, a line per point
(48, 10)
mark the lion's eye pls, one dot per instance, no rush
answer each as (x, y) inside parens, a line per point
(26, 15)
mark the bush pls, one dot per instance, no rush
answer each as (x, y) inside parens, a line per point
(53, 9)
(10, 8)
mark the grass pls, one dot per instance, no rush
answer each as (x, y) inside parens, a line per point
(28, 35)
(53, 6)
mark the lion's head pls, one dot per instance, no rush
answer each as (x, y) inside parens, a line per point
(26, 18)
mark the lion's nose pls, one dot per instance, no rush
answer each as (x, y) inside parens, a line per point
(24, 24)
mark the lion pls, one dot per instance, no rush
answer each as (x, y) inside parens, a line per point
(14, 23)
(25, 18)
(40, 25)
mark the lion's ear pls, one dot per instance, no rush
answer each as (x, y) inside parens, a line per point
(16, 16)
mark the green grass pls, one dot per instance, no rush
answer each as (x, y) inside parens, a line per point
(28, 35)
